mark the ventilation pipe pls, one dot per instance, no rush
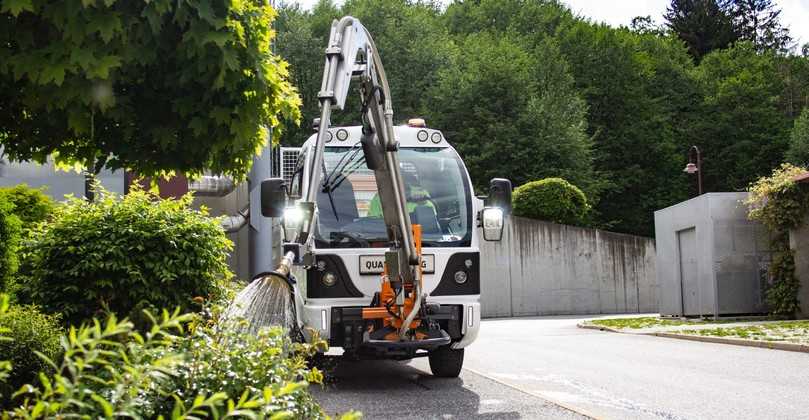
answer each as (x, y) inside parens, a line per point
(234, 223)
(212, 186)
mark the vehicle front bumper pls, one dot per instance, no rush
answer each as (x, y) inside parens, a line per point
(343, 326)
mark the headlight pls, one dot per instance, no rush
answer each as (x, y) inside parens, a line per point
(422, 135)
(342, 134)
(293, 216)
(492, 223)
(328, 279)
(493, 218)
(461, 277)
(436, 137)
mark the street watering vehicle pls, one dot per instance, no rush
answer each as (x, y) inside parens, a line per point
(381, 224)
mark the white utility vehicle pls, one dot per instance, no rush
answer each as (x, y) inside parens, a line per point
(381, 224)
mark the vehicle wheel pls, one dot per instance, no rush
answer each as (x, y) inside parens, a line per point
(446, 362)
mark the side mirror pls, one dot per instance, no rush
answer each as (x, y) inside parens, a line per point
(273, 197)
(493, 220)
(500, 195)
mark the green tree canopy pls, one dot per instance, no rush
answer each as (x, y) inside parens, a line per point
(153, 87)
(512, 112)
(744, 131)
(759, 22)
(798, 152)
(704, 25)
(412, 42)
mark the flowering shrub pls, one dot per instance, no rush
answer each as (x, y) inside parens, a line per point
(780, 204)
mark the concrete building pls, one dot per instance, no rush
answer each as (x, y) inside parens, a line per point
(711, 259)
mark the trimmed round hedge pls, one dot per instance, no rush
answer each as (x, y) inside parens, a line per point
(123, 255)
(551, 199)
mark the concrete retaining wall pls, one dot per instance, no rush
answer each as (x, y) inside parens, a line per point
(542, 268)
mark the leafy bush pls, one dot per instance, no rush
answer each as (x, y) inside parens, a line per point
(123, 255)
(780, 204)
(30, 331)
(31, 205)
(552, 199)
(9, 242)
(184, 366)
(5, 365)
(223, 357)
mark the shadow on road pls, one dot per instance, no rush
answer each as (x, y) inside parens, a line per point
(398, 390)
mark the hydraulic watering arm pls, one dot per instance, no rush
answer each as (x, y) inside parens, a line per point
(351, 54)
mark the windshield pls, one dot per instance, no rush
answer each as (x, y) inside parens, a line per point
(437, 190)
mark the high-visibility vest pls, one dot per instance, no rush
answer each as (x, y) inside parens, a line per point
(375, 208)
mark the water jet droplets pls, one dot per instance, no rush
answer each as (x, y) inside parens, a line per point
(266, 301)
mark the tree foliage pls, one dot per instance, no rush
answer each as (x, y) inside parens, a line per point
(497, 101)
(10, 228)
(798, 152)
(704, 25)
(154, 87)
(759, 22)
(744, 131)
(31, 205)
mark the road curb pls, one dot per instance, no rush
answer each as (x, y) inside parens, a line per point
(599, 328)
(773, 345)
(566, 406)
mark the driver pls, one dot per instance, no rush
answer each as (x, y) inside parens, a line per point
(415, 194)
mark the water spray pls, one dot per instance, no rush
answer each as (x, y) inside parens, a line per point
(268, 300)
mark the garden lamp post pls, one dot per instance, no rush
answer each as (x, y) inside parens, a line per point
(695, 167)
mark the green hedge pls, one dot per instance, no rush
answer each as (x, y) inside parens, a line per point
(31, 205)
(551, 199)
(123, 255)
(10, 228)
(29, 331)
(186, 366)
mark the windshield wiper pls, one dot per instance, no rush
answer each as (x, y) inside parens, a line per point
(328, 186)
(328, 182)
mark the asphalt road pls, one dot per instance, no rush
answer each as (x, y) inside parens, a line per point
(622, 376)
(399, 390)
(530, 368)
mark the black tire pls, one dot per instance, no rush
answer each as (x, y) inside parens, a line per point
(446, 362)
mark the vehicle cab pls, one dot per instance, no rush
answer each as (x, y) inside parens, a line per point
(350, 239)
